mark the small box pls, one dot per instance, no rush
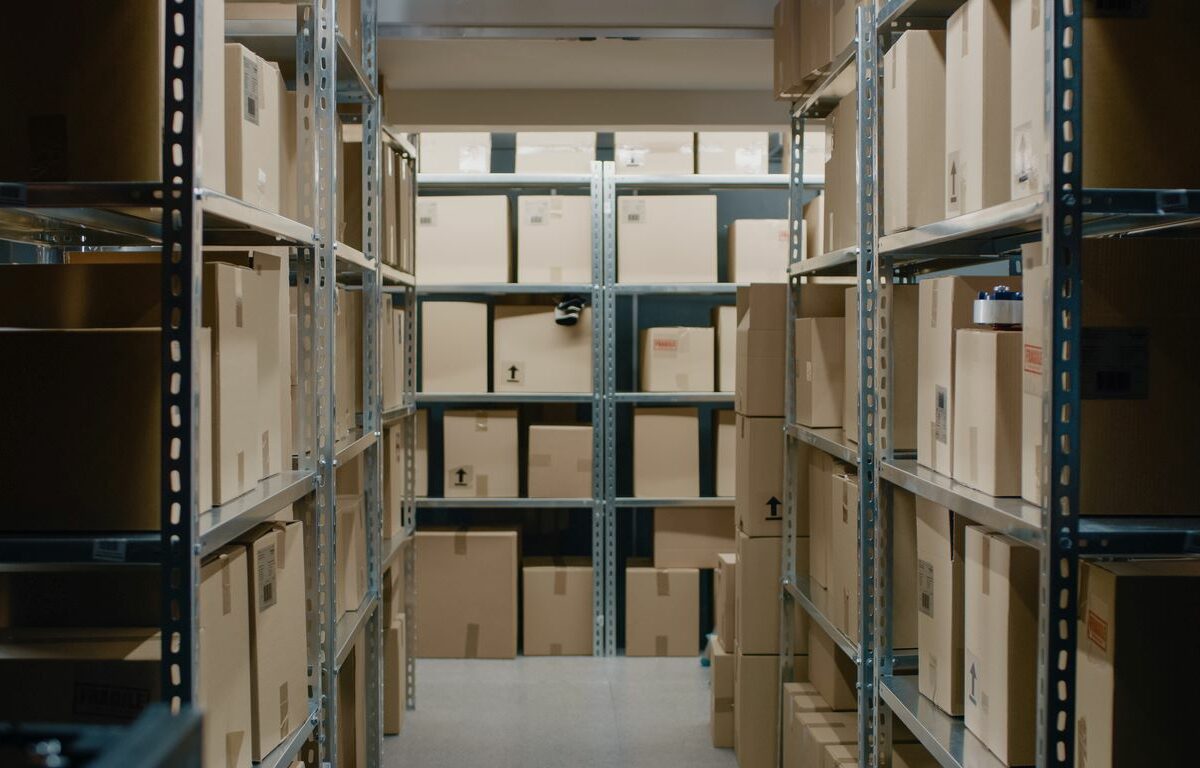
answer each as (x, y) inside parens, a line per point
(819, 730)
(758, 251)
(555, 151)
(351, 553)
(347, 348)
(724, 320)
(395, 585)
(554, 239)
(726, 469)
(814, 223)
(662, 611)
(557, 599)
(463, 239)
(560, 462)
(987, 408)
(761, 339)
(667, 239)
(831, 671)
(252, 88)
(759, 454)
(725, 588)
(822, 468)
(395, 677)
(455, 153)
(677, 359)
(940, 555)
(692, 537)
(666, 452)
(914, 129)
(656, 153)
(841, 175)
(756, 714)
(225, 634)
(820, 368)
(454, 346)
(732, 152)
(480, 453)
(532, 353)
(843, 556)
(798, 698)
(467, 603)
(758, 596)
(721, 718)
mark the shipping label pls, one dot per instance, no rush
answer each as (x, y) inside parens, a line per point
(1097, 631)
(941, 415)
(635, 212)
(426, 213)
(251, 89)
(117, 701)
(536, 213)
(925, 587)
(266, 570)
(1032, 359)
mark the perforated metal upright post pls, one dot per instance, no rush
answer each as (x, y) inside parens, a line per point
(599, 468)
(609, 206)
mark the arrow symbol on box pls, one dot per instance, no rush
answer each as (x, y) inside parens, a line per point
(512, 372)
(773, 503)
(462, 475)
(973, 677)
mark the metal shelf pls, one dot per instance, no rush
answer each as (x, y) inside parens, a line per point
(681, 289)
(833, 441)
(801, 592)
(947, 738)
(698, 501)
(918, 14)
(500, 180)
(230, 221)
(70, 549)
(1138, 536)
(502, 289)
(350, 625)
(843, 261)
(391, 547)
(392, 415)
(285, 754)
(712, 181)
(498, 398)
(347, 449)
(659, 398)
(222, 524)
(393, 276)
(508, 502)
(352, 258)
(275, 40)
(832, 86)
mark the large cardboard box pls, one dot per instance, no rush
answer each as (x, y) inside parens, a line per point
(817, 731)
(395, 583)
(467, 602)
(721, 714)
(758, 251)
(677, 359)
(657, 153)
(831, 671)
(987, 404)
(914, 129)
(347, 384)
(814, 221)
(463, 239)
(940, 555)
(252, 106)
(822, 468)
(351, 554)
(225, 637)
(463, 152)
(786, 44)
(843, 556)
(560, 461)
(761, 342)
(692, 537)
(662, 611)
(532, 353)
(558, 612)
(903, 323)
(351, 704)
(725, 588)
(732, 152)
(757, 588)
(480, 453)
(912, 756)
(905, 593)
(842, 24)
(725, 425)
(666, 452)
(1000, 598)
(667, 239)
(350, 189)
(816, 51)
(454, 346)
(850, 388)
(820, 370)
(756, 708)
(759, 500)
(724, 320)
(798, 698)
(554, 239)
(841, 175)
(555, 151)
(395, 677)
(977, 106)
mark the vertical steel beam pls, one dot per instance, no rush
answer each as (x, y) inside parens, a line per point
(600, 508)
(609, 205)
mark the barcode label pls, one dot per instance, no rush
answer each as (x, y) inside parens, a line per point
(265, 566)
(537, 213)
(925, 587)
(635, 211)
(109, 550)
(427, 214)
(251, 88)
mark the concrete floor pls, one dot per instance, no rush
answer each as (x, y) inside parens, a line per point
(558, 712)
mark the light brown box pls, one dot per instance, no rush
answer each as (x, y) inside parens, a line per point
(347, 347)
(480, 453)
(225, 635)
(390, 351)
(798, 698)
(756, 708)
(463, 239)
(560, 461)
(814, 222)
(987, 404)
(724, 319)
(912, 756)
(554, 239)
(557, 599)
(454, 351)
(349, 25)
(725, 589)
(677, 359)
(821, 470)
(406, 180)
(555, 151)
(395, 677)
(467, 603)
(350, 187)
(831, 671)
(732, 152)
(351, 553)
(786, 43)
(818, 730)
(662, 611)
(394, 586)
(532, 353)
(761, 340)
(903, 323)
(666, 452)
(1000, 584)
(721, 714)
(842, 25)
(815, 53)
(843, 556)
(841, 175)
(667, 239)
(448, 152)
(914, 129)
(1124, 636)
(758, 251)
(658, 153)
(351, 703)
(820, 370)
(204, 475)
(977, 106)
(726, 469)
(850, 390)
(940, 556)
(840, 756)
(757, 588)
(905, 593)
(759, 455)
(393, 480)
(692, 537)
(252, 87)
(388, 251)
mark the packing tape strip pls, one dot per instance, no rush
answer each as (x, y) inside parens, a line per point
(472, 648)
(664, 584)
(226, 587)
(539, 459)
(284, 726)
(722, 704)
(560, 580)
(661, 646)
(460, 541)
(481, 485)
(280, 547)
(556, 649)
(481, 421)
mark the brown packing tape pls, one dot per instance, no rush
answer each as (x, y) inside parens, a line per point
(481, 485)
(664, 584)
(539, 459)
(481, 421)
(266, 453)
(583, 465)
(233, 746)
(284, 727)
(471, 651)
(460, 541)
(682, 381)
(226, 587)
(723, 704)
(556, 649)
(560, 581)
(661, 646)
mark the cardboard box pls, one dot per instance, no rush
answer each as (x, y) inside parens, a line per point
(759, 501)
(721, 717)
(831, 671)
(463, 239)
(756, 708)
(1000, 586)
(389, 248)
(351, 704)
(555, 151)
(822, 468)
(843, 598)
(815, 22)
(560, 461)
(692, 537)
(351, 554)
(798, 698)
(726, 462)
(757, 588)
(667, 239)
(225, 635)
(987, 401)
(820, 370)
(454, 346)
(786, 51)
(554, 239)
(1124, 635)
(393, 480)
(350, 189)
(677, 359)
(761, 342)
(904, 332)
(912, 756)
(455, 153)
(905, 592)
(532, 353)
(840, 756)
(940, 555)
(480, 453)
(914, 129)
(725, 589)
(655, 153)
(662, 611)
(841, 175)
(732, 152)
(395, 583)
(406, 180)
(819, 730)
(347, 348)
(977, 106)
(842, 25)
(850, 389)
(666, 452)
(814, 223)
(724, 319)
(758, 251)
(395, 677)
(812, 154)
(467, 603)
(252, 88)
(557, 599)
(204, 475)
(349, 25)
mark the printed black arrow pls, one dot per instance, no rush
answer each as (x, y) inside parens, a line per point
(973, 676)
(774, 503)
(512, 372)
(462, 476)
(953, 182)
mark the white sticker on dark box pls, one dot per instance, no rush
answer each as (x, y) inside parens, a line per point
(925, 587)
(635, 212)
(251, 88)
(265, 571)
(1115, 363)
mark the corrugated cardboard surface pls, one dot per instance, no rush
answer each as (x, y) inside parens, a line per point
(721, 713)
(904, 569)
(554, 237)
(724, 319)
(756, 710)
(395, 678)
(252, 88)
(532, 353)
(759, 454)
(557, 600)
(843, 556)
(677, 359)
(818, 730)
(815, 19)
(463, 152)
(914, 129)
(725, 589)
(692, 537)
(798, 698)
(560, 461)
(654, 152)
(662, 611)
(667, 239)
(758, 250)
(726, 456)
(225, 645)
(394, 586)
(814, 224)
(454, 346)
(821, 504)
(463, 239)
(351, 576)
(555, 151)
(666, 452)
(732, 152)
(820, 368)
(987, 407)
(841, 175)
(831, 671)
(757, 590)
(480, 453)
(347, 348)
(940, 556)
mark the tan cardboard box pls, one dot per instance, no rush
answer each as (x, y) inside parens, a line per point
(987, 401)
(394, 585)
(454, 346)
(721, 714)
(532, 353)
(349, 25)
(815, 22)
(798, 698)
(814, 221)
(560, 461)
(842, 25)
(393, 479)
(395, 677)
(677, 359)
(469, 152)
(666, 452)
(662, 611)
(692, 537)
(850, 389)
(726, 469)
(463, 239)
(467, 603)
(725, 588)
(557, 599)
(831, 671)
(347, 348)
(761, 341)
(406, 180)
(351, 553)
(252, 88)
(204, 476)
(757, 587)
(351, 703)
(732, 152)
(841, 756)
(759, 500)
(1000, 586)
(821, 470)
(818, 730)
(940, 556)
(225, 636)
(756, 708)
(904, 325)
(391, 350)
(667, 239)
(841, 175)
(265, 295)
(657, 153)
(758, 251)
(554, 239)
(912, 756)
(480, 453)
(350, 188)
(843, 556)
(905, 593)
(555, 151)
(977, 106)
(820, 370)
(914, 129)
(388, 251)
(724, 319)
(786, 50)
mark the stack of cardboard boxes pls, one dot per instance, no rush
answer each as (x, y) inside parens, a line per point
(395, 638)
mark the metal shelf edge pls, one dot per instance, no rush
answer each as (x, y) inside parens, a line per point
(831, 441)
(447, 180)
(713, 181)
(475, 502)
(828, 263)
(503, 397)
(946, 737)
(801, 593)
(672, 397)
(345, 450)
(284, 754)
(350, 625)
(223, 524)
(699, 501)
(700, 289)
(393, 276)
(822, 86)
(501, 289)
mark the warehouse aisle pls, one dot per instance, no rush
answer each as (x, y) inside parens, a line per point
(546, 712)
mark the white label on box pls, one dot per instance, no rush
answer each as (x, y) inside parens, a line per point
(635, 212)
(748, 159)
(925, 587)
(537, 212)
(1024, 162)
(808, 370)
(632, 157)
(251, 88)
(941, 410)
(514, 371)
(461, 477)
(265, 568)
(426, 213)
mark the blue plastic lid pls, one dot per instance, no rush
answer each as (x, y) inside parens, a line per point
(1001, 293)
